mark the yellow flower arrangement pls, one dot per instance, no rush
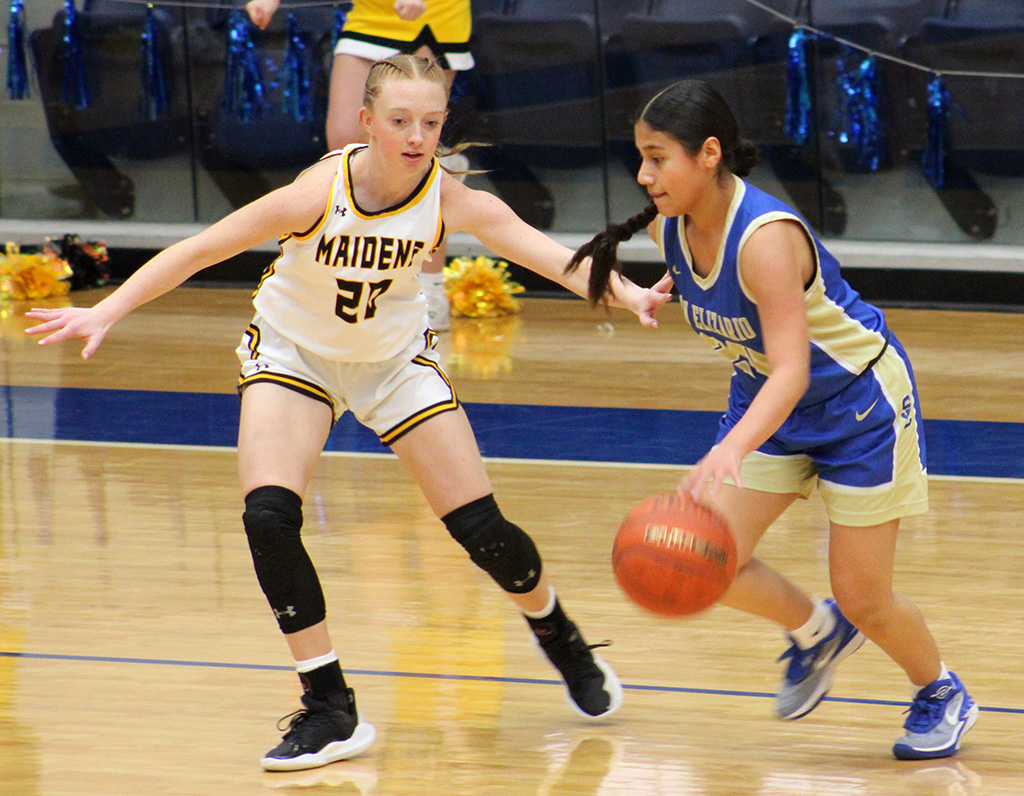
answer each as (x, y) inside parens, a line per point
(479, 287)
(32, 276)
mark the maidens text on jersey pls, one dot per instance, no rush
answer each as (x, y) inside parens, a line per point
(367, 251)
(347, 288)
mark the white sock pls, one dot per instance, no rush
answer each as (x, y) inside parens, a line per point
(316, 663)
(547, 609)
(943, 675)
(822, 622)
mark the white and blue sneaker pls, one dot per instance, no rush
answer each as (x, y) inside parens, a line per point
(810, 672)
(939, 716)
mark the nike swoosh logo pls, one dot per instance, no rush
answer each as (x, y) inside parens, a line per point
(953, 711)
(827, 652)
(861, 415)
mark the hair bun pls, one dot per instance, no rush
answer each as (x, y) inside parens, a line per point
(746, 157)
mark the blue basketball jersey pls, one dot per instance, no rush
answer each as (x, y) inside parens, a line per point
(846, 333)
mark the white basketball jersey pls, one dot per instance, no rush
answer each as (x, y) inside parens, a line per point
(347, 288)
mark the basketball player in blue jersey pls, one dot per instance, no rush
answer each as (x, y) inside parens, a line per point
(340, 325)
(822, 395)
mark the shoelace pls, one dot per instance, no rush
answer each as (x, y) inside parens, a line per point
(802, 660)
(294, 719)
(924, 713)
(574, 647)
(297, 719)
(589, 647)
(582, 653)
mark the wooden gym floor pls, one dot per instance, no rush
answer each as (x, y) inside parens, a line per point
(137, 654)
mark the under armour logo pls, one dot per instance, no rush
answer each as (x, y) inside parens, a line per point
(289, 611)
(340, 210)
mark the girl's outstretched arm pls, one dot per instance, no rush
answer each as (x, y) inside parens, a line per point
(292, 208)
(494, 224)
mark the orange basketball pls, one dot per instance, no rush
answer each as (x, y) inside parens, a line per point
(673, 556)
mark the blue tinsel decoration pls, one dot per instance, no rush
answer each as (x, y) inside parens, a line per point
(933, 159)
(340, 15)
(798, 96)
(73, 89)
(296, 101)
(243, 87)
(17, 69)
(154, 97)
(862, 127)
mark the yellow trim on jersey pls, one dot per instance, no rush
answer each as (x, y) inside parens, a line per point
(267, 273)
(659, 233)
(716, 268)
(319, 224)
(409, 424)
(410, 201)
(846, 335)
(440, 232)
(756, 224)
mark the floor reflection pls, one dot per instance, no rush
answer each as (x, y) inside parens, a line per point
(481, 348)
(19, 745)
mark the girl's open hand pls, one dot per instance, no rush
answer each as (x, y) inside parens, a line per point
(705, 480)
(653, 299)
(67, 323)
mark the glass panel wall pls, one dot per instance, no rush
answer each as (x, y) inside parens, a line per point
(91, 141)
(866, 168)
(886, 153)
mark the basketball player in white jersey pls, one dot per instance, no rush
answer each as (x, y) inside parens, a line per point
(340, 325)
(378, 29)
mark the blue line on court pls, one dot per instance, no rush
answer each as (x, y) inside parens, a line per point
(513, 431)
(479, 678)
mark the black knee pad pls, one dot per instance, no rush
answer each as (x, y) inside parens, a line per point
(500, 548)
(273, 523)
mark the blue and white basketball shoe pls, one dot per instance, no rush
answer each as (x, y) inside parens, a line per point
(810, 672)
(939, 716)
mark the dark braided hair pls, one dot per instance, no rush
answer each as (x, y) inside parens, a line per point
(603, 249)
(690, 112)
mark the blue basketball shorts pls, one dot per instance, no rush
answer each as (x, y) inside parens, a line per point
(863, 449)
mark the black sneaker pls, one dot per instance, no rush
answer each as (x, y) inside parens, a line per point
(594, 690)
(325, 731)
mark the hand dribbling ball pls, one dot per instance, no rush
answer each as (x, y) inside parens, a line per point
(672, 556)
